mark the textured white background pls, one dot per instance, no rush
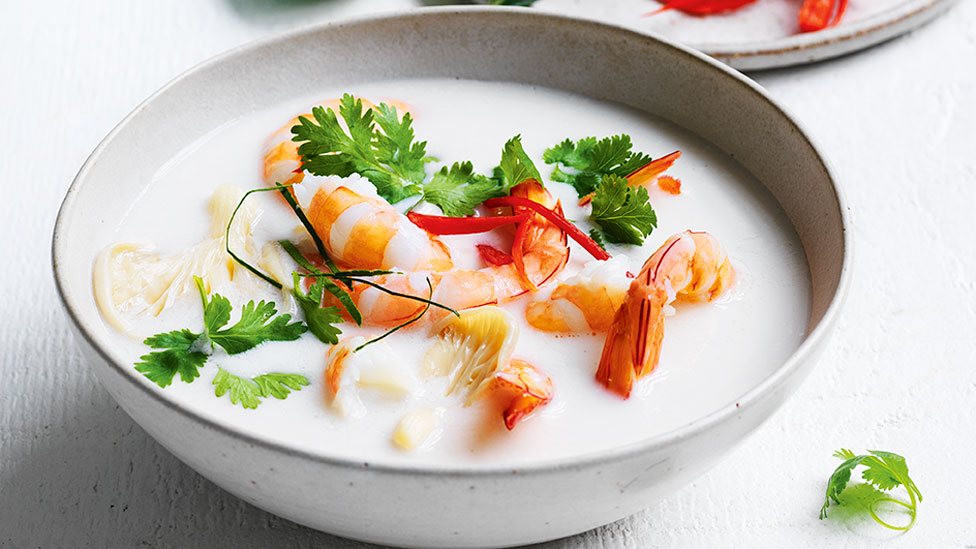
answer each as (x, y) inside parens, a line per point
(898, 121)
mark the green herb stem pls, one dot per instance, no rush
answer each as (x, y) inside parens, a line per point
(427, 305)
(319, 245)
(245, 264)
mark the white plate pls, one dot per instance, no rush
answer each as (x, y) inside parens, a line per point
(762, 35)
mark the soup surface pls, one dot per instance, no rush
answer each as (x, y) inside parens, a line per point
(712, 353)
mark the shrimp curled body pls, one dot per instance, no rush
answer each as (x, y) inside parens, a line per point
(689, 266)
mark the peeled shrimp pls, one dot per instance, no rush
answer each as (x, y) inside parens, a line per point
(689, 266)
(364, 232)
(542, 250)
(586, 302)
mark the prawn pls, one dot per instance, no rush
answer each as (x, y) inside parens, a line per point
(585, 302)
(689, 266)
(474, 351)
(540, 247)
(359, 231)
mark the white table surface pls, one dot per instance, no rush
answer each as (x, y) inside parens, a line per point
(898, 121)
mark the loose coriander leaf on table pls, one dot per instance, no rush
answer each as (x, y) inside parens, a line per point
(458, 190)
(883, 470)
(590, 160)
(623, 212)
(379, 146)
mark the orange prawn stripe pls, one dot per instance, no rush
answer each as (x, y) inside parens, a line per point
(369, 238)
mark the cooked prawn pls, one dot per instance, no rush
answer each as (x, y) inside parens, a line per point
(542, 252)
(585, 302)
(475, 352)
(689, 266)
(365, 232)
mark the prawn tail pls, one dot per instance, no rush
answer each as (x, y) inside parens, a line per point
(522, 388)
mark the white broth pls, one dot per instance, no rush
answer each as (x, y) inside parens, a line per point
(712, 353)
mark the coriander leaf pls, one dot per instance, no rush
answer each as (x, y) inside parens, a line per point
(884, 470)
(241, 390)
(590, 161)
(623, 212)
(279, 385)
(216, 310)
(179, 357)
(249, 392)
(458, 190)
(321, 320)
(599, 238)
(515, 166)
(182, 339)
(881, 475)
(838, 481)
(254, 328)
(386, 155)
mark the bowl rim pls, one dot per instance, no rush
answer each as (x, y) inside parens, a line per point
(693, 428)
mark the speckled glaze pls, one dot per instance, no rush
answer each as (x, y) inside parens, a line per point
(454, 507)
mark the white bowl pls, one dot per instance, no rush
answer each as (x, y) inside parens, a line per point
(456, 506)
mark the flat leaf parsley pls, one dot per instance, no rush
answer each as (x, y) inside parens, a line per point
(184, 352)
(884, 471)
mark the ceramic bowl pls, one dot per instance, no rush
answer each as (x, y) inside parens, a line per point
(461, 506)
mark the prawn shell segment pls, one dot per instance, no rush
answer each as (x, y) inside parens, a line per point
(576, 308)
(633, 345)
(540, 249)
(367, 233)
(521, 387)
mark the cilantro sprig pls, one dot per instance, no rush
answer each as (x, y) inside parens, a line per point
(586, 163)
(256, 325)
(623, 212)
(185, 352)
(884, 471)
(380, 145)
